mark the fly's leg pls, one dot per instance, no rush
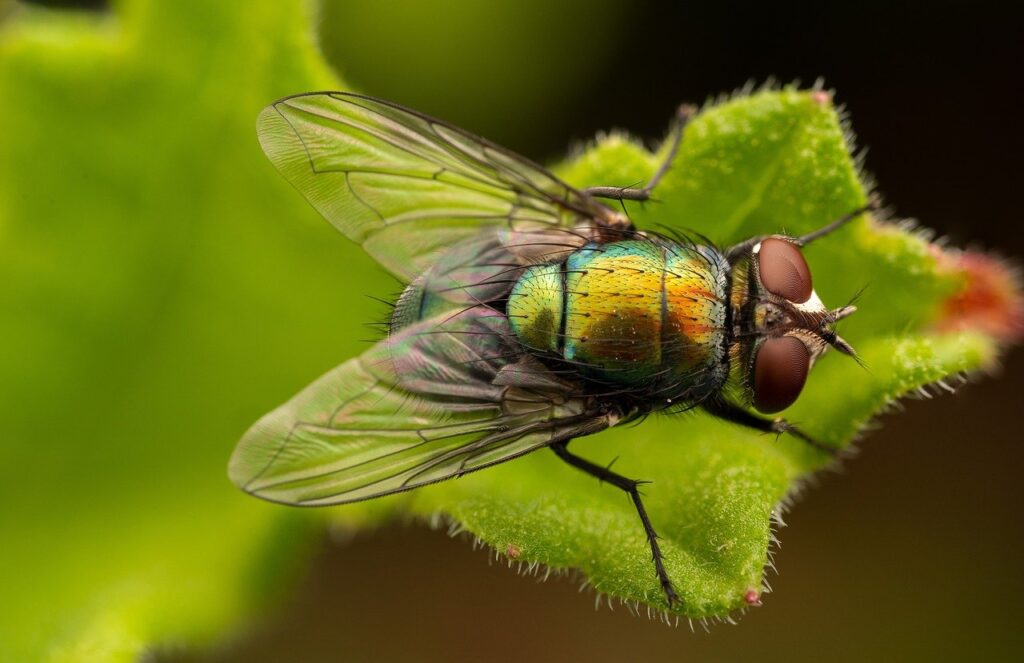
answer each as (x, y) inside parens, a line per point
(871, 205)
(641, 194)
(737, 415)
(739, 250)
(630, 486)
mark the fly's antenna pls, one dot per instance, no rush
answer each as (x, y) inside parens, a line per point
(848, 350)
(842, 312)
(835, 340)
(839, 343)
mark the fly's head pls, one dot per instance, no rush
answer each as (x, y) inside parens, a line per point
(780, 325)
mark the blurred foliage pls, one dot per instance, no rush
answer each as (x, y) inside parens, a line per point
(169, 287)
(161, 279)
(501, 69)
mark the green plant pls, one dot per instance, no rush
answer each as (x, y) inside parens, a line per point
(170, 287)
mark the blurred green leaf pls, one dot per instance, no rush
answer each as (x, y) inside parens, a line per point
(158, 279)
(510, 71)
(164, 287)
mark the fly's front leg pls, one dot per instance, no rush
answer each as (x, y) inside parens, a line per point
(631, 487)
(737, 415)
(641, 194)
(737, 251)
(871, 206)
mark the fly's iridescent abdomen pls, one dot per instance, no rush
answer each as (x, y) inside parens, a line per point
(641, 313)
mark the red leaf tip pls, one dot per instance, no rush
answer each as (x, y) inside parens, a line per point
(991, 299)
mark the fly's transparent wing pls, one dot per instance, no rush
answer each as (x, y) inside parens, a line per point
(406, 186)
(440, 398)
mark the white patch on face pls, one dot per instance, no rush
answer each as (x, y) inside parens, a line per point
(812, 305)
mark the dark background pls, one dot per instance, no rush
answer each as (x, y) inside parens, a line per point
(914, 551)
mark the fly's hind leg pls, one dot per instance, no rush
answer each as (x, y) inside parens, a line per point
(737, 415)
(643, 193)
(631, 487)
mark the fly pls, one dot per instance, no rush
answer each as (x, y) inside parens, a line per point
(534, 313)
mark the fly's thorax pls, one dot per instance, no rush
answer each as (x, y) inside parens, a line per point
(642, 313)
(696, 338)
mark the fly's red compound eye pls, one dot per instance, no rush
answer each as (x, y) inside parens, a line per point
(780, 370)
(783, 270)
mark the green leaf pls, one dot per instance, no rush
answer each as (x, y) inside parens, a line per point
(165, 287)
(158, 276)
